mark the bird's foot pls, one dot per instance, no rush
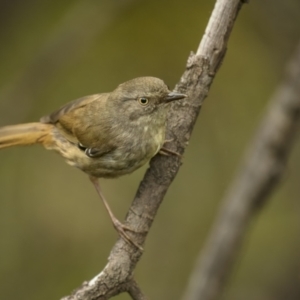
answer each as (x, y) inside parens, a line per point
(121, 229)
(167, 152)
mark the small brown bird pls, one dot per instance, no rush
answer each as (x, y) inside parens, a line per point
(105, 135)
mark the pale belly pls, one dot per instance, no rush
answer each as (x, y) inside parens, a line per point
(120, 161)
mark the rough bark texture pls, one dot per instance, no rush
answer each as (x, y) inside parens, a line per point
(201, 68)
(263, 167)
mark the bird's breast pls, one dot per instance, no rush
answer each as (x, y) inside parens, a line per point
(132, 150)
(130, 154)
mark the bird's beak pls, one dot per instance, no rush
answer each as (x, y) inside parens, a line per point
(174, 96)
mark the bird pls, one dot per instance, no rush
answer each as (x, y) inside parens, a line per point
(105, 135)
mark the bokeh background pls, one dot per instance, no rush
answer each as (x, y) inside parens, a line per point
(54, 231)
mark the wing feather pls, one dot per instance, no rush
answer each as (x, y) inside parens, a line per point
(73, 118)
(69, 107)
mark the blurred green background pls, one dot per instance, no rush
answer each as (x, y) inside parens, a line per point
(54, 231)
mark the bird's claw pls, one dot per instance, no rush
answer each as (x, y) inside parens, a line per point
(121, 229)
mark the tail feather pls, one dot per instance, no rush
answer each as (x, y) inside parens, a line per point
(24, 134)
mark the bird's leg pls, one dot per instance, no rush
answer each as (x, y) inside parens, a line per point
(167, 152)
(116, 223)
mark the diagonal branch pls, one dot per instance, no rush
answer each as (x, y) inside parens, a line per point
(195, 82)
(261, 171)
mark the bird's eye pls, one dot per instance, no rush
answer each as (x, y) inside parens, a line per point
(143, 101)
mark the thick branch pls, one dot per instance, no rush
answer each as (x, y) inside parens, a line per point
(262, 169)
(195, 82)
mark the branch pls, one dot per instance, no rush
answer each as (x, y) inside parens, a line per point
(195, 82)
(135, 292)
(261, 171)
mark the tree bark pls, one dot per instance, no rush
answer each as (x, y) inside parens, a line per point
(263, 166)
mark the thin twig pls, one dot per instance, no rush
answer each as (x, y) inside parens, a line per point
(261, 171)
(135, 292)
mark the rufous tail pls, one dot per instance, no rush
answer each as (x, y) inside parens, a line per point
(25, 134)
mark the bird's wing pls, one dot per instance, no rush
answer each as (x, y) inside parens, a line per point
(73, 118)
(69, 107)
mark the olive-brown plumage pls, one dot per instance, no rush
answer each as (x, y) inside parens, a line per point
(104, 135)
